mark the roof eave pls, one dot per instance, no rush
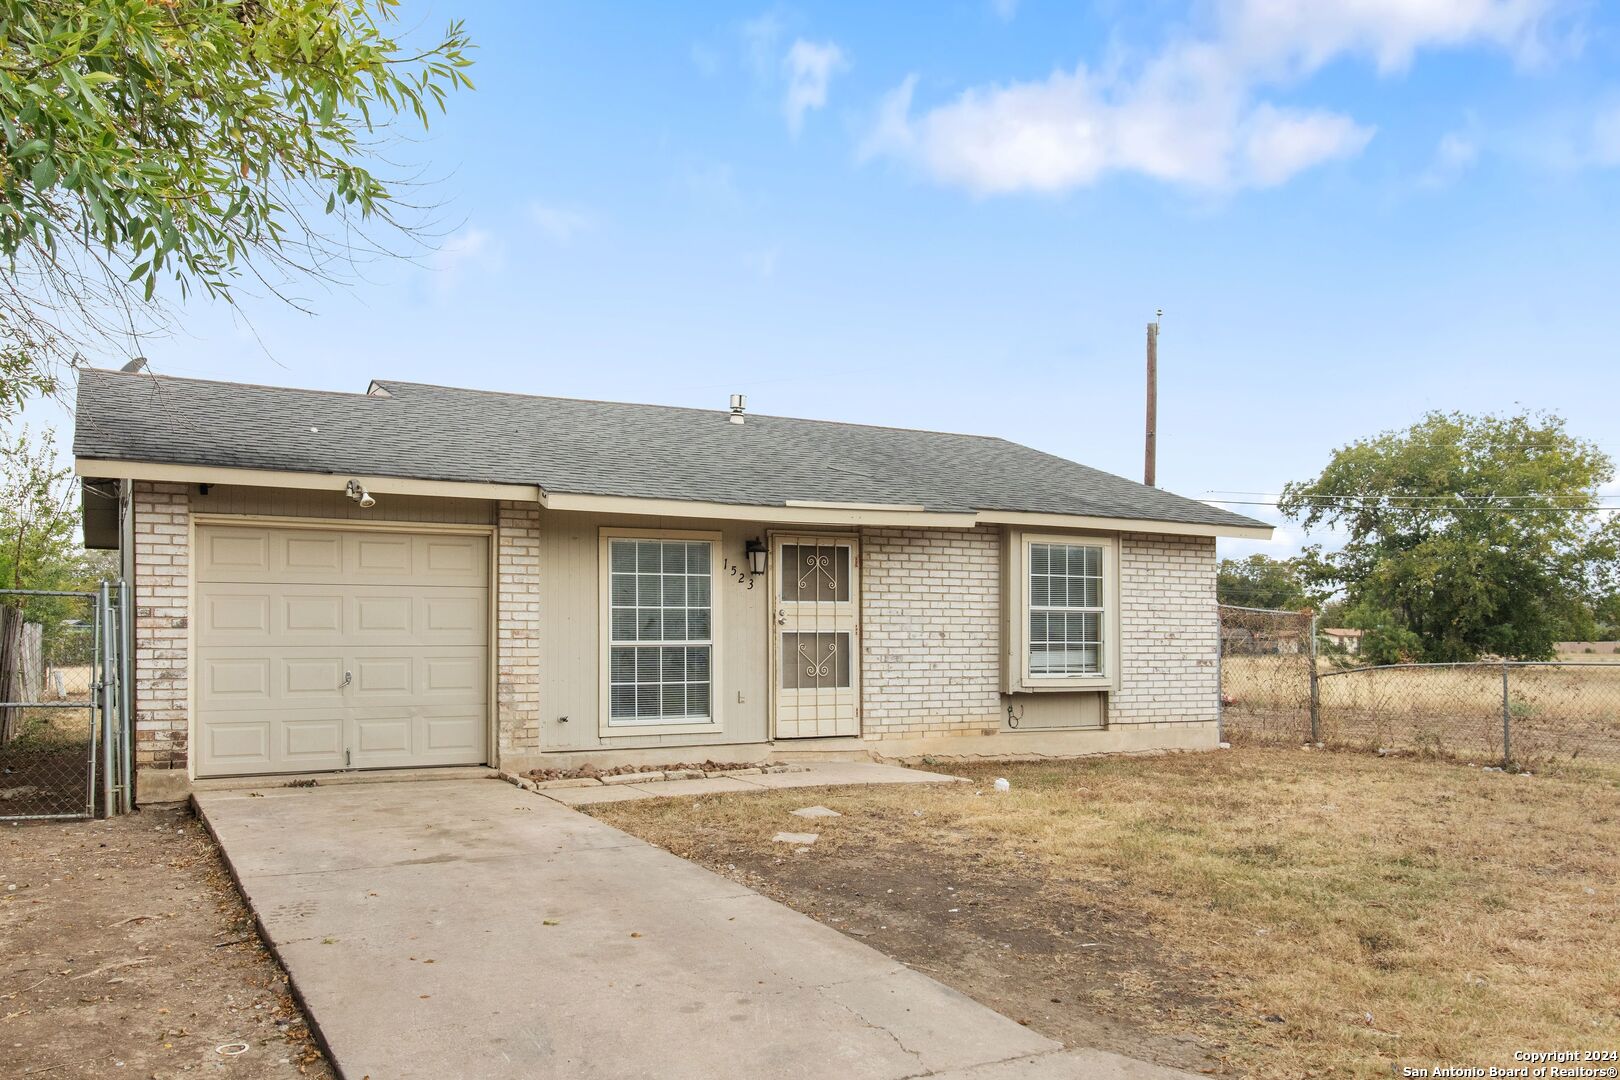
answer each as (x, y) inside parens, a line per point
(876, 515)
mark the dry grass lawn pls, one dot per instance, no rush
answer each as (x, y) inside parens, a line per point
(1263, 912)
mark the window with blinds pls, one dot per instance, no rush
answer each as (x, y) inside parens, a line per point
(661, 649)
(1065, 609)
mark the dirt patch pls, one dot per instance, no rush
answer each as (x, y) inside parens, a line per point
(45, 781)
(128, 953)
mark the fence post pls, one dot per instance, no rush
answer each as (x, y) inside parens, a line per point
(126, 698)
(1316, 690)
(105, 689)
(1507, 719)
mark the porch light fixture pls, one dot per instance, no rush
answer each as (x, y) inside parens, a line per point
(359, 494)
(756, 551)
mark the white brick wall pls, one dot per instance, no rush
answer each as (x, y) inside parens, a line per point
(931, 623)
(517, 645)
(1168, 630)
(162, 619)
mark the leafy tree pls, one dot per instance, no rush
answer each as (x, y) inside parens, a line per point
(1465, 535)
(1261, 582)
(39, 550)
(195, 142)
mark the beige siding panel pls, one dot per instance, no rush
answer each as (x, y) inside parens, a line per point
(322, 648)
(570, 597)
(287, 502)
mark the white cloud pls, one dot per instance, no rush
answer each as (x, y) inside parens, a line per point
(810, 66)
(1308, 34)
(559, 222)
(762, 263)
(462, 251)
(705, 59)
(1193, 113)
(1278, 143)
(1454, 155)
(1606, 137)
(760, 38)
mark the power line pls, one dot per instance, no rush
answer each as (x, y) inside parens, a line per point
(1461, 507)
(1370, 495)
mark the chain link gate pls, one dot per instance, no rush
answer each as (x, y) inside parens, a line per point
(64, 716)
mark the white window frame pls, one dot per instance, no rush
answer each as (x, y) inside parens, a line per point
(1107, 677)
(607, 726)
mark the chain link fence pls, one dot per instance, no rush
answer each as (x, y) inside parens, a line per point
(1278, 685)
(1266, 662)
(62, 754)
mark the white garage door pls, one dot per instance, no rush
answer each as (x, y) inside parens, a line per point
(339, 648)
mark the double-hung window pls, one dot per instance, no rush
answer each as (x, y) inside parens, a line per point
(660, 614)
(1067, 595)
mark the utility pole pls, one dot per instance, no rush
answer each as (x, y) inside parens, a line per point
(1150, 456)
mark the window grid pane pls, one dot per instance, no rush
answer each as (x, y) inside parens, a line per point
(1066, 609)
(659, 622)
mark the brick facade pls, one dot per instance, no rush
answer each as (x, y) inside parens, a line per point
(517, 644)
(162, 529)
(931, 622)
(1168, 631)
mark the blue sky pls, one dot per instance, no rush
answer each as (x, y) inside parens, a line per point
(961, 215)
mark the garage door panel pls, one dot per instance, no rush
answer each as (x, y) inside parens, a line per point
(330, 648)
(416, 736)
(319, 555)
(311, 615)
(311, 743)
(266, 742)
(384, 614)
(235, 679)
(271, 616)
(315, 556)
(239, 615)
(234, 551)
(239, 681)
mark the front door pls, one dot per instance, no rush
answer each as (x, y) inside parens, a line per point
(816, 669)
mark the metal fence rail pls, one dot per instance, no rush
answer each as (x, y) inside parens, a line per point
(1278, 686)
(63, 718)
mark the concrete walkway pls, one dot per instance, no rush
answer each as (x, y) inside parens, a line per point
(470, 929)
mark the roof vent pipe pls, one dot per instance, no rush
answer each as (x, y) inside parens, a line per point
(739, 402)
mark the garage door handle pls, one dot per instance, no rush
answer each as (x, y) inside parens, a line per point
(348, 677)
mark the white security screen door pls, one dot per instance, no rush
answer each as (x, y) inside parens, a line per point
(817, 648)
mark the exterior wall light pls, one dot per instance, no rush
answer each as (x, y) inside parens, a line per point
(359, 494)
(757, 552)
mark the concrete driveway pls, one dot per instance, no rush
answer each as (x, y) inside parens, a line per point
(471, 929)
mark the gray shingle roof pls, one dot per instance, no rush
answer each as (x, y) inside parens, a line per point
(594, 448)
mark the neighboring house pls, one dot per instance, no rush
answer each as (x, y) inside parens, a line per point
(421, 575)
(1343, 639)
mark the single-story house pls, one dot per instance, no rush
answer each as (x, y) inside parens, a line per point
(421, 575)
(1343, 638)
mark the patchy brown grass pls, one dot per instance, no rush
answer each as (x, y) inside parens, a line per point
(1266, 912)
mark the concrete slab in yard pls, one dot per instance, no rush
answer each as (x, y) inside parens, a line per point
(412, 921)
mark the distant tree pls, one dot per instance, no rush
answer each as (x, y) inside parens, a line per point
(1464, 535)
(191, 141)
(1261, 582)
(38, 550)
